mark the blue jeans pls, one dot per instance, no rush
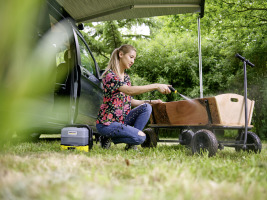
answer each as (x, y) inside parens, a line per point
(127, 133)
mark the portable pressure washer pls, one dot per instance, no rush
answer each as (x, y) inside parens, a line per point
(79, 137)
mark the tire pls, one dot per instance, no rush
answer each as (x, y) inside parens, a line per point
(151, 138)
(35, 137)
(204, 140)
(105, 142)
(186, 138)
(252, 138)
(26, 136)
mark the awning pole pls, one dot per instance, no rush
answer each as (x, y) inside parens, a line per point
(200, 58)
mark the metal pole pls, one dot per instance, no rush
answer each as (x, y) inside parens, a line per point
(245, 94)
(200, 58)
(246, 113)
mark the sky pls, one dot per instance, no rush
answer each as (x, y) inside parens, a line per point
(143, 29)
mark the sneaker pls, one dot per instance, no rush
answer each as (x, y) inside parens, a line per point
(131, 146)
(105, 142)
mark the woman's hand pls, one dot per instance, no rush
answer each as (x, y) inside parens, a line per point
(135, 90)
(140, 102)
(156, 101)
(163, 88)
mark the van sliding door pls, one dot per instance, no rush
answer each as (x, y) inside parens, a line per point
(90, 87)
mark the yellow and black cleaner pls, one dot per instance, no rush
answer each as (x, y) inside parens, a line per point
(77, 137)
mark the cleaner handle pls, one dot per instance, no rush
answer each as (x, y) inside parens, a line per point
(172, 89)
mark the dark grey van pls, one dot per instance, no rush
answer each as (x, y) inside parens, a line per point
(77, 93)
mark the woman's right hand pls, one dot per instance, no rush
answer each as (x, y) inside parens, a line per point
(163, 88)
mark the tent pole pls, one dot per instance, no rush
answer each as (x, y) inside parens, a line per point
(200, 58)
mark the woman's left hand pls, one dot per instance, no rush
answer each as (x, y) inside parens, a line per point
(156, 101)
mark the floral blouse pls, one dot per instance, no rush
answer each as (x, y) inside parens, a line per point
(116, 105)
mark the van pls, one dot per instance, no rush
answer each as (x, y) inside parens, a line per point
(77, 93)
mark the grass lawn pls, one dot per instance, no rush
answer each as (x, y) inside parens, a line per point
(41, 171)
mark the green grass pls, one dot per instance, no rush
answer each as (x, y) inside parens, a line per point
(41, 171)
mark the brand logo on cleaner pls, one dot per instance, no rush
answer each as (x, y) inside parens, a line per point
(72, 132)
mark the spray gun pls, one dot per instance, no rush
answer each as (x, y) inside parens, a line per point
(173, 90)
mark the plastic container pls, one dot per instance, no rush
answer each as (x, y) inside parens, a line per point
(74, 136)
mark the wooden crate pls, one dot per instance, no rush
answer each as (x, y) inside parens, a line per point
(225, 110)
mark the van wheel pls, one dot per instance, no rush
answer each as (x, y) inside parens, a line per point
(25, 136)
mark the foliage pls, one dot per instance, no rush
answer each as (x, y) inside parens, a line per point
(165, 60)
(104, 37)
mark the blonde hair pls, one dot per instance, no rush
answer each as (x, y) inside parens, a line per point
(113, 63)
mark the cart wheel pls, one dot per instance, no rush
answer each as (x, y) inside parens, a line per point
(204, 140)
(252, 138)
(151, 138)
(105, 142)
(186, 138)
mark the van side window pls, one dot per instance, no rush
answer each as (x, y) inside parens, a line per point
(87, 61)
(63, 56)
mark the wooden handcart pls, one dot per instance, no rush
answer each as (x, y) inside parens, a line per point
(199, 119)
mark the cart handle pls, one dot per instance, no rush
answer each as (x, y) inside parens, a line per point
(244, 60)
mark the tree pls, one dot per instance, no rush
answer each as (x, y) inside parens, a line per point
(104, 37)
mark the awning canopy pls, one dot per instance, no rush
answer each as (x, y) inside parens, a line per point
(106, 10)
